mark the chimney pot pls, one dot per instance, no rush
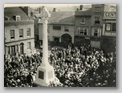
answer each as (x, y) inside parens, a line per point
(54, 9)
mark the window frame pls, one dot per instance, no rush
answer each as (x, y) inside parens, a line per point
(98, 20)
(21, 34)
(58, 39)
(9, 50)
(28, 31)
(98, 31)
(106, 26)
(66, 29)
(12, 34)
(82, 22)
(97, 9)
(54, 27)
(83, 30)
(113, 28)
(18, 17)
(28, 45)
(13, 51)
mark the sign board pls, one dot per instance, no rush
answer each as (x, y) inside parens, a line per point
(109, 15)
(41, 75)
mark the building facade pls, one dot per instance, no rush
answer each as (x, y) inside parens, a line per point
(60, 28)
(82, 27)
(91, 24)
(88, 26)
(19, 32)
(109, 31)
(96, 25)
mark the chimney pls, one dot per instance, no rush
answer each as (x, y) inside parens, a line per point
(54, 9)
(77, 9)
(81, 7)
(25, 9)
(40, 9)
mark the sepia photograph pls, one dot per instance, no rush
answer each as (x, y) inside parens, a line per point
(60, 45)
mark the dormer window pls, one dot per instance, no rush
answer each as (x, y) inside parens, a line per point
(97, 20)
(18, 18)
(6, 18)
(82, 21)
(97, 9)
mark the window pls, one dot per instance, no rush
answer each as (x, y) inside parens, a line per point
(28, 32)
(113, 26)
(83, 31)
(13, 49)
(82, 21)
(21, 48)
(56, 39)
(17, 48)
(96, 31)
(8, 49)
(66, 29)
(108, 27)
(20, 32)
(56, 27)
(97, 9)
(6, 18)
(12, 34)
(29, 45)
(18, 18)
(97, 20)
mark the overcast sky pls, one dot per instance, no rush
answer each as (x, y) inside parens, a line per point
(48, 5)
(61, 7)
(66, 7)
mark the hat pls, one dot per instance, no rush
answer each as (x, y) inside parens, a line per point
(18, 80)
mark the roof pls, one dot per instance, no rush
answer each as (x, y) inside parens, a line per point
(62, 17)
(84, 13)
(10, 12)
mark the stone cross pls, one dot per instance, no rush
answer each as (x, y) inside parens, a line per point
(44, 13)
(45, 72)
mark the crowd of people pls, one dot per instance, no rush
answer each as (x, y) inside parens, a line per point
(84, 67)
(74, 67)
(20, 71)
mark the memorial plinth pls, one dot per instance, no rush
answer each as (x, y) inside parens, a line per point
(44, 76)
(45, 72)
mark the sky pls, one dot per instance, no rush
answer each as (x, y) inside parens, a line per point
(66, 7)
(61, 7)
(48, 5)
